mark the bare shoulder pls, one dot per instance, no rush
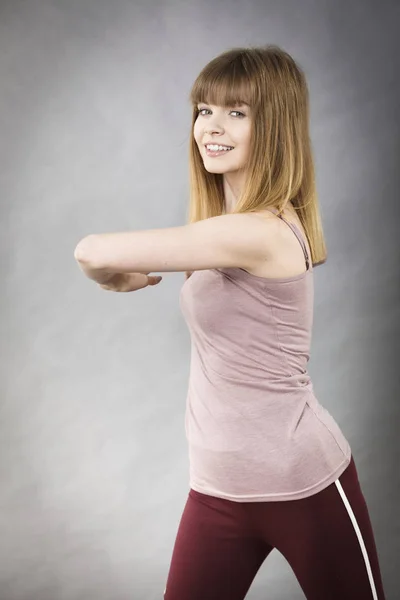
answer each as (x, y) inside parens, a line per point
(238, 240)
(283, 254)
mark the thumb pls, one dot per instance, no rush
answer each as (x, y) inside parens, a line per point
(154, 279)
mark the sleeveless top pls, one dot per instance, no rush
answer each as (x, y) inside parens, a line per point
(256, 431)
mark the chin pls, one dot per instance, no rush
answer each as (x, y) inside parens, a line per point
(215, 170)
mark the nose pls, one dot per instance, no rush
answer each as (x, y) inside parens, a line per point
(213, 130)
(213, 127)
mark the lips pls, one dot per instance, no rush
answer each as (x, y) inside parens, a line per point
(216, 152)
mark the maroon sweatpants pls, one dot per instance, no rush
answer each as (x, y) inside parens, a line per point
(326, 538)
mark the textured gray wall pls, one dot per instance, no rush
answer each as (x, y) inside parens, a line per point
(94, 131)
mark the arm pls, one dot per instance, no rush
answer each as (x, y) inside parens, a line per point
(231, 240)
(99, 275)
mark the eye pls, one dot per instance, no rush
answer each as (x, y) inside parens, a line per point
(201, 110)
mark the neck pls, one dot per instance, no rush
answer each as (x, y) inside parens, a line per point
(233, 185)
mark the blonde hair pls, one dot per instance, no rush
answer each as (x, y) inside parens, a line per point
(280, 168)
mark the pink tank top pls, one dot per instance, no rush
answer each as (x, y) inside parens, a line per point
(256, 432)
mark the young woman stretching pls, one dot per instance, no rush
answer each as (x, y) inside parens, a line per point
(269, 466)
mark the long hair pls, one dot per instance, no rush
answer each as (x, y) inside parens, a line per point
(280, 167)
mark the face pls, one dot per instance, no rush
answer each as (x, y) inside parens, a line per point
(226, 127)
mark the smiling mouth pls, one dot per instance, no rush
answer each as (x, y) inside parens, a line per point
(217, 152)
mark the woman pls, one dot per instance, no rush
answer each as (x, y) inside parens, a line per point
(269, 466)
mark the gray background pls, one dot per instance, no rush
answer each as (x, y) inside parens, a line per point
(94, 133)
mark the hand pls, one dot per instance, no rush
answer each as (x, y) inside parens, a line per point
(130, 282)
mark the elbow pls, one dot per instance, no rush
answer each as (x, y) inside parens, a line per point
(81, 253)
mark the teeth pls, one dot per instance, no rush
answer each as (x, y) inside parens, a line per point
(215, 147)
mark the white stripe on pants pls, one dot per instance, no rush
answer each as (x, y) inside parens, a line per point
(360, 538)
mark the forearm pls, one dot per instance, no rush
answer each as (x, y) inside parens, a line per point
(98, 275)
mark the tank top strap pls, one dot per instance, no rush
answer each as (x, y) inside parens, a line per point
(297, 233)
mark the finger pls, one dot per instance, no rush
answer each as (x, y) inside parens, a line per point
(153, 279)
(141, 280)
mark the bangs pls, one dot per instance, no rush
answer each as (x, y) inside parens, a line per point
(225, 83)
